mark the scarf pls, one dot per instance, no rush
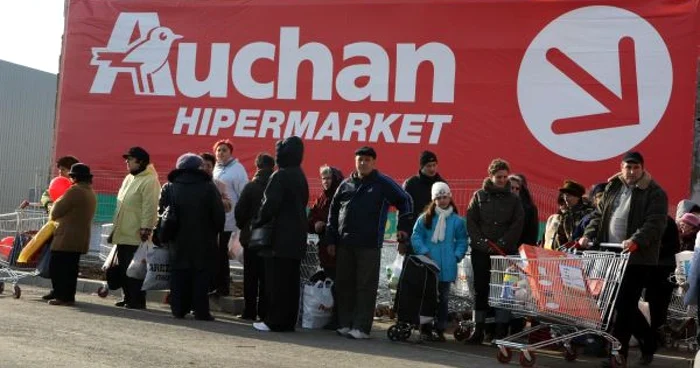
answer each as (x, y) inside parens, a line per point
(439, 233)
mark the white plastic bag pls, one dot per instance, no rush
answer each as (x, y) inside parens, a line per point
(137, 267)
(158, 270)
(318, 304)
(235, 249)
(111, 259)
(396, 269)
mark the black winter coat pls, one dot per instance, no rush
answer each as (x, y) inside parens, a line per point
(420, 187)
(249, 203)
(200, 217)
(284, 202)
(495, 214)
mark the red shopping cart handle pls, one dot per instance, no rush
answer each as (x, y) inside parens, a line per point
(496, 248)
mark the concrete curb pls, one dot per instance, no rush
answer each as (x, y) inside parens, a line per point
(227, 304)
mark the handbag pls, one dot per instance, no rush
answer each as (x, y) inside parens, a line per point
(168, 222)
(261, 237)
(43, 268)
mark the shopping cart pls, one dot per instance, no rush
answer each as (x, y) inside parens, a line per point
(571, 296)
(461, 300)
(103, 253)
(16, 229)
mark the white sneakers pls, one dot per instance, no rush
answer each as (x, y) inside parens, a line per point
(344, 331)
(358, 335)
(261, 326)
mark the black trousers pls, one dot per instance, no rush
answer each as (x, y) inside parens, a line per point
(481, 263)
(658, 294)
(331, 273)
(629, 319)
(131, 287)
(282, 284)
(64, 274)
(189, 291)
(254, 285)
(222, 276)
(357, 279)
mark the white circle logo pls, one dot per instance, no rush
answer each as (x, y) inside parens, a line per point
(594, 83)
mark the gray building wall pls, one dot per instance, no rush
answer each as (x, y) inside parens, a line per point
(27, 111)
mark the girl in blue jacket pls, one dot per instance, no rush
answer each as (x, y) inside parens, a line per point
(441, 234)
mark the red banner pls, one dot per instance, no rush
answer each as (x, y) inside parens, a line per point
(560, 89)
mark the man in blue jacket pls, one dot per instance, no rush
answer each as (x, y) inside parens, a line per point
(355, 234)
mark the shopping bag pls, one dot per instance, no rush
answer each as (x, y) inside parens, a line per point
(683, 261)
(21, 240)
(235, 249)
(137, 267)
(317, 304)
(691, 296)
(395, 273)
(44, 260)
(158, 269)
(34, 245)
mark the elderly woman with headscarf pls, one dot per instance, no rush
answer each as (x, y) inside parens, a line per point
(192, 194)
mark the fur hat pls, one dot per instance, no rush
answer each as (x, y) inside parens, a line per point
(440, 189)
(573, 188)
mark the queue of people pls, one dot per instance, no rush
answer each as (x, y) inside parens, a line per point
(213, 200)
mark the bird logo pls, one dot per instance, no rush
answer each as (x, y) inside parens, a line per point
(145, 56)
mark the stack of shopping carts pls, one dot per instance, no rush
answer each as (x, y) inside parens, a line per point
(16, 229)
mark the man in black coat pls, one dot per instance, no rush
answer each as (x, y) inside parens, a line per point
(419, 186)
(284, 205)
(246, 208)
(192, 194)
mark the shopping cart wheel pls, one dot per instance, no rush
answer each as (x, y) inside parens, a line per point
(617, 361)
(2, 287)
(527, 359)
(462, 333)
(16, 292)
(102, 292)
(393, 333)
(405, 331)
(570, 354)
(504, 355)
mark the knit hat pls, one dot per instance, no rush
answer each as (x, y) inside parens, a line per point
(440, 189)
(427, 157)
(189, 161)
(573, 188)
(691, 219)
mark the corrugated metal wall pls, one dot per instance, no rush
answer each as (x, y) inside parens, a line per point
(27, 110)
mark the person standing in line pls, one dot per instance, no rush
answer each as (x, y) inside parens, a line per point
(229, 171)
(632, 212)
(253, 264)
(134, 219)
(208, 163)
(355, 232)
(74, 212)
(531, 224)
(577, 208)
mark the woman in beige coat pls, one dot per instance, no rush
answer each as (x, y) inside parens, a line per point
(73, 212)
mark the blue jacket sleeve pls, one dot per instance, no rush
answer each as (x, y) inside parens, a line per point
(419, 236)
(400, 199)
(461, 240)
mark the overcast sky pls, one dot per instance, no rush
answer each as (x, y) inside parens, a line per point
(30, 33)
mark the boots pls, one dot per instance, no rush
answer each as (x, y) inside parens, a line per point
(477, 335)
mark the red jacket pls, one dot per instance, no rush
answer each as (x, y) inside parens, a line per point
(319, 212)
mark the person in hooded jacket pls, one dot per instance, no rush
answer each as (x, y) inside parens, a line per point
(284, 205)
(253, 265)
(193, 195)
(442, 235)
(135, 216)
(419, 186)
(494, 215)
(318, 217)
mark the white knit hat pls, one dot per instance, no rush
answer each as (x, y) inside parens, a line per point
(440, 189)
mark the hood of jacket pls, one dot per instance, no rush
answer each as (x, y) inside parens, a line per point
(290, 152)
(336, 179)
(490, 187)
(188, 176)
(262, 176)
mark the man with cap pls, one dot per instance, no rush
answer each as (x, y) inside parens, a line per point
(418, 186)
(633, 212)
(576, 209)
(74, 212)
(355, 235)
(134, 218)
